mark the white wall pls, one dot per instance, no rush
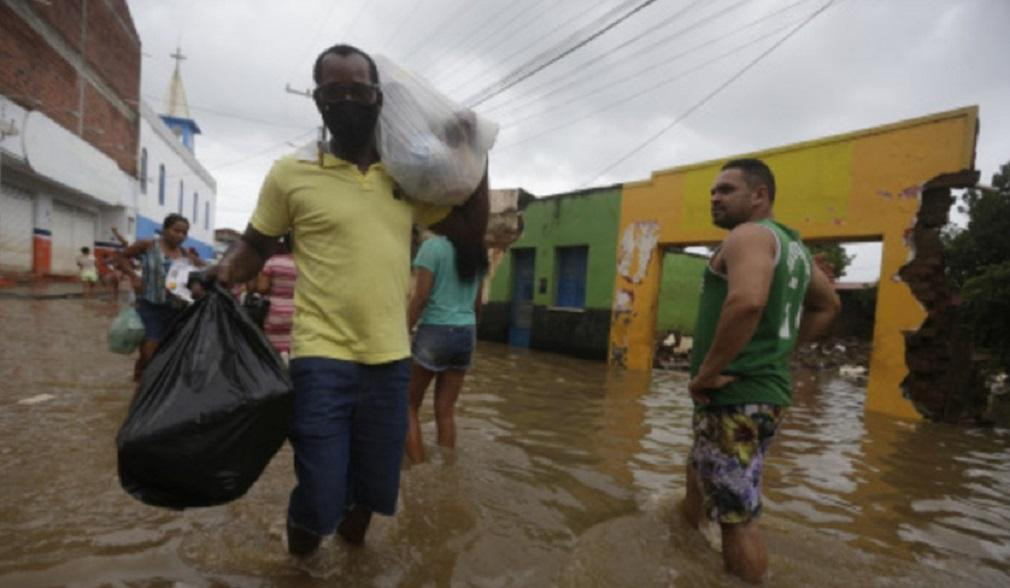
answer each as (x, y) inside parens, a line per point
(163, 148)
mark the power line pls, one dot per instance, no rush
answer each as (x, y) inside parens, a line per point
(610, 52)
(526, 47)
(407, 16)
(239, 160)
(475, 35)
(457, 71)
(240, 116)
(349, 29)
(452, 16)
(315, 36)
(712, 94)
(519, 75)
(625, 100)
(676, 57)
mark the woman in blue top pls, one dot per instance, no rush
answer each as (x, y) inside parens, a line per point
(157, 307)
(448, 275)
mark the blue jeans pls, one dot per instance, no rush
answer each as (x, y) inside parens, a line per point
(348, 430)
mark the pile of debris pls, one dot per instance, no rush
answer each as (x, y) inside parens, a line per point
(673, 351)
(849, 356)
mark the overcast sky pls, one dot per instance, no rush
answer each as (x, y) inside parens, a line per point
(579, 121)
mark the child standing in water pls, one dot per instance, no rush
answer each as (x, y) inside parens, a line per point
(88, 271)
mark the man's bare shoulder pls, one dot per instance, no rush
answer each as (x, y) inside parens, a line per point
(747, 236)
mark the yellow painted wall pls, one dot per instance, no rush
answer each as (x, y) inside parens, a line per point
(863, 185)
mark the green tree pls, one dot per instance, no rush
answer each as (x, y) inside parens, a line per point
(834, 255)
(978, 263)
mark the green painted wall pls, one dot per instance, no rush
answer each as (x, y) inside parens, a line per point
(679, 291)
(582, 218)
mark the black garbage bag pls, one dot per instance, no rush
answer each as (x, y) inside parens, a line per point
(213, 407)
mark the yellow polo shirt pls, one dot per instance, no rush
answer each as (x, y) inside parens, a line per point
(352, 250)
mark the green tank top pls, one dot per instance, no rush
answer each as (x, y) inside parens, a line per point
(762, 366)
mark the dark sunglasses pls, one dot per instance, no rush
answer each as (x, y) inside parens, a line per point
(340, 92)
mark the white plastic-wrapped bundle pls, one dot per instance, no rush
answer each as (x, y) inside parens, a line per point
(435, 149)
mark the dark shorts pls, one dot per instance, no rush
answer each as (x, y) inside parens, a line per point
(157, 318)
(728, 456)
(444, 347)
(348, 431)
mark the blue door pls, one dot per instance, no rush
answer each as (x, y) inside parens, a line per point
(572, 265)
(521, 315)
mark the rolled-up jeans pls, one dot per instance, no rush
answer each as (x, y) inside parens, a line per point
(348, 431)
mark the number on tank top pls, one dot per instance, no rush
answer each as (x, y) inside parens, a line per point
(784, 328)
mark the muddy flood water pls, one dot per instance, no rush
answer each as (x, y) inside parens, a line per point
(566, 475)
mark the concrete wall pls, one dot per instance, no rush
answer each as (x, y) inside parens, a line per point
(864, 185)
(586, 218)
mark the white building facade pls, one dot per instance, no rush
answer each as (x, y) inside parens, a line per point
(171, 180)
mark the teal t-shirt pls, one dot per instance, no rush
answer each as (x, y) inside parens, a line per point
(451, 300)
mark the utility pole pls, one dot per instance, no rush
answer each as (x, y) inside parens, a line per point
(307, 94)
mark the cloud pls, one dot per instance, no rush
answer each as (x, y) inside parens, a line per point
(859, 64)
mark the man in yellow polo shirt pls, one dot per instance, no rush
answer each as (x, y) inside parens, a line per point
(351, 348)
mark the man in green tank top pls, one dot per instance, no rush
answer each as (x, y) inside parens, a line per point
(761, 294)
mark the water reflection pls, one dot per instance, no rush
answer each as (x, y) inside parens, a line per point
(566, 474)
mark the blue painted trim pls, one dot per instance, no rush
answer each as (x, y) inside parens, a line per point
(43, 232)
(182, 122)
(147, 228)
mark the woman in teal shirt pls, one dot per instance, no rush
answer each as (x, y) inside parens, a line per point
(449, 272)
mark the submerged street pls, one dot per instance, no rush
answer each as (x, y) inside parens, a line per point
(565, 474)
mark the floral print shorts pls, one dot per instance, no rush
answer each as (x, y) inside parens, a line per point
(728, 457)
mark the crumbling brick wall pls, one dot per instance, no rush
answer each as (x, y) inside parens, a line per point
(941, 382)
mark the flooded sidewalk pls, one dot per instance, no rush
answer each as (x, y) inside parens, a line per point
(567, 474)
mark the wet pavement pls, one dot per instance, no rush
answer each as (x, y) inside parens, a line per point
(567, 474)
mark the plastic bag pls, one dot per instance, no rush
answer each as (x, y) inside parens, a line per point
(435, 149)
(126, 332)
(256, 307)
(213, 407)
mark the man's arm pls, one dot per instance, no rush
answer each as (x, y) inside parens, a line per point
(423, 280)
(820, 307)
(244, 258)
(749, 256)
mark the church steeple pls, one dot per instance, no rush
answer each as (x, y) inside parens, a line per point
(176, 114)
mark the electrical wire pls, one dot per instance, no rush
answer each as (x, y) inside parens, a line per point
(349, 29)
(406, 18)
(611, 64)
(455, 72)
(626, 99)
(240, 160)
(454, 14)
(638, 73)
(518, 75)
(474, 36)
(308, 46)
(239, 116)
(711, 94)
